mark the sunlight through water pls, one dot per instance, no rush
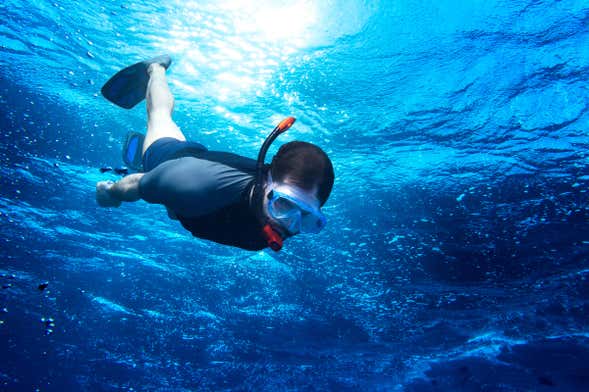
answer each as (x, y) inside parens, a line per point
(231, 49)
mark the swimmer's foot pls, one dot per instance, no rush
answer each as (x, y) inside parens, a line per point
(163, 60)
(128, 86)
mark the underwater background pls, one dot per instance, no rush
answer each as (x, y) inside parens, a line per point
(456, 252)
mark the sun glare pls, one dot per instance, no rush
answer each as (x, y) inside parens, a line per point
(274, 23)
(230, 49)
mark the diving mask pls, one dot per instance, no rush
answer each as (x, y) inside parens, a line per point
(295, 210)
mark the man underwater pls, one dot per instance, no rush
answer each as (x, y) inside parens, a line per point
(218, 196)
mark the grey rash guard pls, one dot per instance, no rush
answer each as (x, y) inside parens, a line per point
(193, 187)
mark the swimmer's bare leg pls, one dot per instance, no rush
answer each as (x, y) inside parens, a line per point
(160, 103)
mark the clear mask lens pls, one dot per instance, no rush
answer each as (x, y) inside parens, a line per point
(294, 215)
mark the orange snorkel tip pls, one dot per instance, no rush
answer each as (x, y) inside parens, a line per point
(285, 124)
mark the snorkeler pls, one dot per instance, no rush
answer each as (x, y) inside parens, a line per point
(218, 196)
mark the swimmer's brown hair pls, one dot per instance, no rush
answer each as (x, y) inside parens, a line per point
(306, 165)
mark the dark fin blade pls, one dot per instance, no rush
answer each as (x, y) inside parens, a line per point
(128, 86)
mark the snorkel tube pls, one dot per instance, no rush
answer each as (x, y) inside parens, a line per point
(272, 237)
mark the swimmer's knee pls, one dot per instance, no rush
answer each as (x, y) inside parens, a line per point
(161, 126)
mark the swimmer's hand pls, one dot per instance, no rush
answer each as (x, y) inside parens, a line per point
(112, 194)
(104, 196)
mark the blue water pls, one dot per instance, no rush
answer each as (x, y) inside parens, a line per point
(456, 256)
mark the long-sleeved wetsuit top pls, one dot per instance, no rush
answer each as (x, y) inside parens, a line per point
(193, 187)
(208, 191)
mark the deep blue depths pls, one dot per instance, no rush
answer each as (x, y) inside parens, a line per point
(456, 252)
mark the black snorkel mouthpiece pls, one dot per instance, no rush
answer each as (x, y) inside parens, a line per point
(272, 237)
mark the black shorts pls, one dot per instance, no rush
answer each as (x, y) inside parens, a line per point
(165, 149)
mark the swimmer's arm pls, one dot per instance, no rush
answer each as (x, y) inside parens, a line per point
(109, 194)
(186, 186)
(127, 189)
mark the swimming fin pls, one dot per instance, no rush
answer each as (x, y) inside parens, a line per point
(128, 86)
(132, 151)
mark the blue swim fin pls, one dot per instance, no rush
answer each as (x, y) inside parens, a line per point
(128, 86)
(132, 151)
